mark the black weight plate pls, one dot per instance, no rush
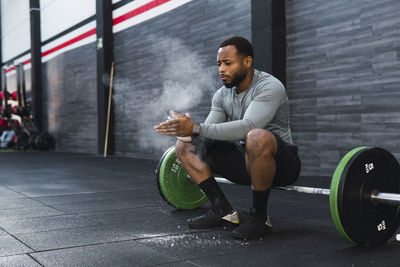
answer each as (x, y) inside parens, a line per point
(44, 141)
(366, 223)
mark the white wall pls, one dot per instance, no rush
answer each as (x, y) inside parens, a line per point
(15, 27)
(56, 16)
(59, 15)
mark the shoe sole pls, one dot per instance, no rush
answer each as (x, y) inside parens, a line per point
(216, 225)
(249, 236)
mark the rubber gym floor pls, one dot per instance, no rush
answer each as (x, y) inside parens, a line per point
(64, 209)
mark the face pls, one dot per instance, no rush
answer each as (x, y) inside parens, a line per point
(232, 66)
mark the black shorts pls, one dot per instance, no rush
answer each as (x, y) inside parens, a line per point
(227, 159)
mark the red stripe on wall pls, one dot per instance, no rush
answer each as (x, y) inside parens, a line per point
(91, 32)
(70, 42)
(139, 11)
(11, 68)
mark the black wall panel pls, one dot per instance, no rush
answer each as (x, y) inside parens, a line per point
(70, 103)
(343, 78)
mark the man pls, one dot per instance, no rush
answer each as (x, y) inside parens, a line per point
(246, 139)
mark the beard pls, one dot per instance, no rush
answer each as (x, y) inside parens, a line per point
(237, 78)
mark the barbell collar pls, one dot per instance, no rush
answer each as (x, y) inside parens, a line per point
(223, 180)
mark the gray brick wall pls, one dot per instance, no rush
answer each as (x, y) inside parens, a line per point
(343, 78)
(70, 99)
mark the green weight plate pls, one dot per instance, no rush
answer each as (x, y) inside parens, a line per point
(175, 186)
(158, 173)
(334, 190)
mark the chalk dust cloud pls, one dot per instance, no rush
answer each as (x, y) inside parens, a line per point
(180, 76)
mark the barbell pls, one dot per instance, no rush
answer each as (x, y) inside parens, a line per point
(364, 196)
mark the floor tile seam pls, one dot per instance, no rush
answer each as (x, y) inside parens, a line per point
(13, 198)
(100, 224)
(55, 230)
(89, 212)
(154, 249)
(74, 213)
(31, 198)
(22, 207)
(82, 215)
(194, 264)
(166, 252)
(65, 248)
(63, 229)
(189, 258)
(178, 261)
(54, 206)
(86, 201)
(34, 259)
(51, 207)
(16, 254)
(124, 209)
(135, 239)
(44, 217)
(89, 219)
(83, 194)
(12, 190)
(124, 201)
(30, 207)
(36, 217)
(16, 238)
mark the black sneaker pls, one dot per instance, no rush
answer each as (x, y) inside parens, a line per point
(214, 218)
(254, 226)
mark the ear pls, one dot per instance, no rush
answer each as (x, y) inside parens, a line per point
(248, 61)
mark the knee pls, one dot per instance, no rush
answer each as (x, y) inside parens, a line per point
(260, 142)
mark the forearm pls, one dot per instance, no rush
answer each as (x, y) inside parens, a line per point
(227, 131)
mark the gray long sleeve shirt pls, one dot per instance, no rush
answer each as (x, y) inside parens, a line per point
(263, 105)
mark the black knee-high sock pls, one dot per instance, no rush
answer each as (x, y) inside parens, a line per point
(260, 201)
(215, 195)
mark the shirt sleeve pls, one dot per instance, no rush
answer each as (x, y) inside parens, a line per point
(217, 113)
(262, 109)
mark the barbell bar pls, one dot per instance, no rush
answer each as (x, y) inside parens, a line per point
(300, 189)
(384, 198)
(364, 196)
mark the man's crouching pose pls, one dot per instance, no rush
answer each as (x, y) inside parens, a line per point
(246, 139)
